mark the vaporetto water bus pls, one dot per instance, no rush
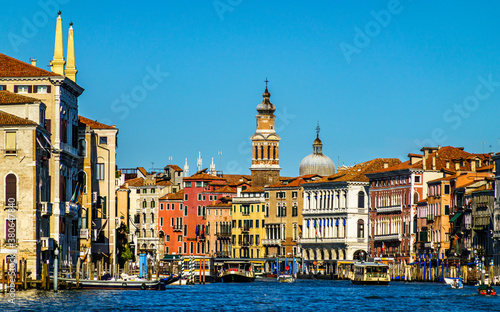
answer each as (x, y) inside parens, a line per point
(371, 273)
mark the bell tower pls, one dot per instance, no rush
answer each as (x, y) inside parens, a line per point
(265, 145)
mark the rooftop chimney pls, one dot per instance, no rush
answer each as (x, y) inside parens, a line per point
(447, 164)
(33, 62)
(433, 162)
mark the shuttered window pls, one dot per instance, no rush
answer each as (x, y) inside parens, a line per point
(10, 142)
(10, 190)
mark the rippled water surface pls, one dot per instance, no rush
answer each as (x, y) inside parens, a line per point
(262, 295)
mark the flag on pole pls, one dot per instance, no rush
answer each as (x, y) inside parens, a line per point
(383, 247)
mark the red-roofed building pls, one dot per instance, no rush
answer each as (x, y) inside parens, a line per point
(60, 96)
(395, 192)
(197, 196)
(170, 222)
(335, 216)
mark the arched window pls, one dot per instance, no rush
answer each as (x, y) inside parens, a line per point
(152, 217)
(262, 152)
(361, 228)
(415, 198)
(152, 233)
(274, 152)
(11, 190)
(144, 217)
(144, 204)
(268, 151)
(153, 204)
(256, 152)
(361, 199)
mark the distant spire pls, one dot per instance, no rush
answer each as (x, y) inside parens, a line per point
(212, 167)
(57, 63)
(70, 65)
(199, 163)
(186, 169)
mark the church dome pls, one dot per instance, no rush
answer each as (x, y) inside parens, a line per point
(317, 163)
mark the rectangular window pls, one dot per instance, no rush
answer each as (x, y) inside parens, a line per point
(199, 184)
(10, 142)
(161, 206)
(239, 223)
(21, 89)
(447, 210)
(234, 223)
(172, 222)
(100, 171)
(185, 196)
(187, 184)
(257, 240)
(204, 198)
(417, 179)
(161, 221)
(447, 189)
(294, 211)
(257, 223)
(144, 191)
(294, 194)
(168, 206)
(103, 140)
(199, 195)
(180, 207)
(153, 191)
(41, 89)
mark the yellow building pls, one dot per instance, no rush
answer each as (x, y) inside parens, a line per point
(248, 223)
(283, 225)
(98, 220)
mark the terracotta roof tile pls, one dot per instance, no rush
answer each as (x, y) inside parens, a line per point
(163, 183)
(236, 178)
(142, 170)
(135, 182)
(10, 67)
(224, 189)
(174, 196)
(358, 172)
(93, 124)
(203, 176)
(7, 97)
(220, 205)
(9, 119)
(176, 168)
(254, 189)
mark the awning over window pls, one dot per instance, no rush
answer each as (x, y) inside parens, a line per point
(456, 216)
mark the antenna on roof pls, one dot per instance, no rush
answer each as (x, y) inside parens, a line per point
(483, 146)
(220, 157)
(152, 166)
(169, 160)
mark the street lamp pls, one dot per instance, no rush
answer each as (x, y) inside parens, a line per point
(56, 254)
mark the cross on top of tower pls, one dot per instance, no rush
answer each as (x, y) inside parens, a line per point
(317, 130)
(266, 81)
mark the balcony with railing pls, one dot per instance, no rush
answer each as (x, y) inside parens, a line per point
(45, 208)
(223, 234)
(388, 237)
(390, 209)
(245, 229)
(47, 243)
(84, 233)
(428, 245)
(177, 228)
(10, 242)
(11, 205)
(430, 217)
(271, 242)
(71, 209)
(314, 240)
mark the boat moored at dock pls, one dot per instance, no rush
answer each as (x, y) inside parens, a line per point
(371, 273)
(237, 272)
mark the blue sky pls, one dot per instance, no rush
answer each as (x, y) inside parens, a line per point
(383, 78)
